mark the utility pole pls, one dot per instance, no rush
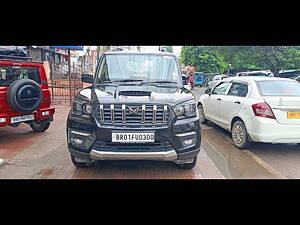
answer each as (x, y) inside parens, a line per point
(69, 65)
(98, 54)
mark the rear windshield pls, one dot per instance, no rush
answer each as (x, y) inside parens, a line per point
(279, 88)
(9, 74)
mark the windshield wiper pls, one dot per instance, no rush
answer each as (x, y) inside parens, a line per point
(127, 80)
(161, 82)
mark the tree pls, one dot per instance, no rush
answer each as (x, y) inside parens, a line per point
(243, 58)
(204, 59)
(276, 58)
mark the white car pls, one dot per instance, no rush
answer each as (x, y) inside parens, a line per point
(216, 79)
(254, 109)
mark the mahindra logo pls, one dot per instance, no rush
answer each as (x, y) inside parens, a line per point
(134, 111)
(29, 92)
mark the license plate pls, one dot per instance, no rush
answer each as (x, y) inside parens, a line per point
(133, 137)
(18, 119)
(293, 115)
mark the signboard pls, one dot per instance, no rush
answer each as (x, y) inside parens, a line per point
(61, 51)
(79, 48)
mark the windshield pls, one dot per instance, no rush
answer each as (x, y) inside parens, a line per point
(9, 74)
(279, 88)
(138, 67)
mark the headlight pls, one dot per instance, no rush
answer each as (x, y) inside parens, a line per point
(186, 110)
(81, 108)
(87, 109)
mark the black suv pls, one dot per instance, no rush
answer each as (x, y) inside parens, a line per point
(136, 109)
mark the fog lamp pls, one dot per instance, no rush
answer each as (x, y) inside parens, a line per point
(188, 142)
(77, 141)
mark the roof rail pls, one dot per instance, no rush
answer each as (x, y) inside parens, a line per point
(13, 57)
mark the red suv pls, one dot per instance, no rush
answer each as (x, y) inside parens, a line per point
(24, 93)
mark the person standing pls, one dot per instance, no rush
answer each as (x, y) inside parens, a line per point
(191, 80)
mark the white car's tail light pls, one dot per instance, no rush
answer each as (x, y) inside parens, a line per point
(263, 110)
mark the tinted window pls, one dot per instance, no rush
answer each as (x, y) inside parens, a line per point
(9, 74)
(221, 89)
(238, 89)
(279, 88)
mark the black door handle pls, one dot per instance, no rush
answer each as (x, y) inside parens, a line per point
(237, 102)
(218, 99)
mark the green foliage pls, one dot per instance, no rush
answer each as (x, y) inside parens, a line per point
(205, 60)
(241, 58)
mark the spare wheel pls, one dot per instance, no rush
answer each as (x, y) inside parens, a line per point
(24, 95)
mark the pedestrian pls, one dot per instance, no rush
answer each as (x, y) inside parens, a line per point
(191, 81)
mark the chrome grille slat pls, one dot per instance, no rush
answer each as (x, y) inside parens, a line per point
(123, 113)
(165, 113)
(143, 113)
(101, 113)
(154, 113)
(112, 113)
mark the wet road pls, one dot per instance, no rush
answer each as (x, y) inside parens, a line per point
(261, 160)
(43, 156)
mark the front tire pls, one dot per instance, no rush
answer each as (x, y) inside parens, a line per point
(201, 114)
(39, 126)
(239, 135)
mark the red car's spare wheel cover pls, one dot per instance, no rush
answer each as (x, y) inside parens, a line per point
(24, 96)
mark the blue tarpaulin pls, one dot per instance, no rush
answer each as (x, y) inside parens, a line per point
(79, 48)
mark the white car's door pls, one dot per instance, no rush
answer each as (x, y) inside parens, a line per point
(212, 103)
(231, 103)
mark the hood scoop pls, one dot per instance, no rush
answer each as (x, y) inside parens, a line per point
(135, 93)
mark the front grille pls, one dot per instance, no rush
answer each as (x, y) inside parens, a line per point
(133, 114)
(133, 147)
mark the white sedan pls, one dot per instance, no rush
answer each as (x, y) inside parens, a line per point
(254, 109)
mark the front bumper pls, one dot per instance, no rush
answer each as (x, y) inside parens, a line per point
(103, 155)
(95, 142)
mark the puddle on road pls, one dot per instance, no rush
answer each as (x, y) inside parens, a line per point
(232, 162)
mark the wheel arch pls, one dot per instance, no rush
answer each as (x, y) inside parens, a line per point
(234, 119)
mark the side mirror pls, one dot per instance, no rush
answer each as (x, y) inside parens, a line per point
(87, 78)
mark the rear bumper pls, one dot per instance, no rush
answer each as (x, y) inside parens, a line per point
(5, 117)
(270, 131)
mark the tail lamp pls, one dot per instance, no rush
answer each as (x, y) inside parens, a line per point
(263, 110)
